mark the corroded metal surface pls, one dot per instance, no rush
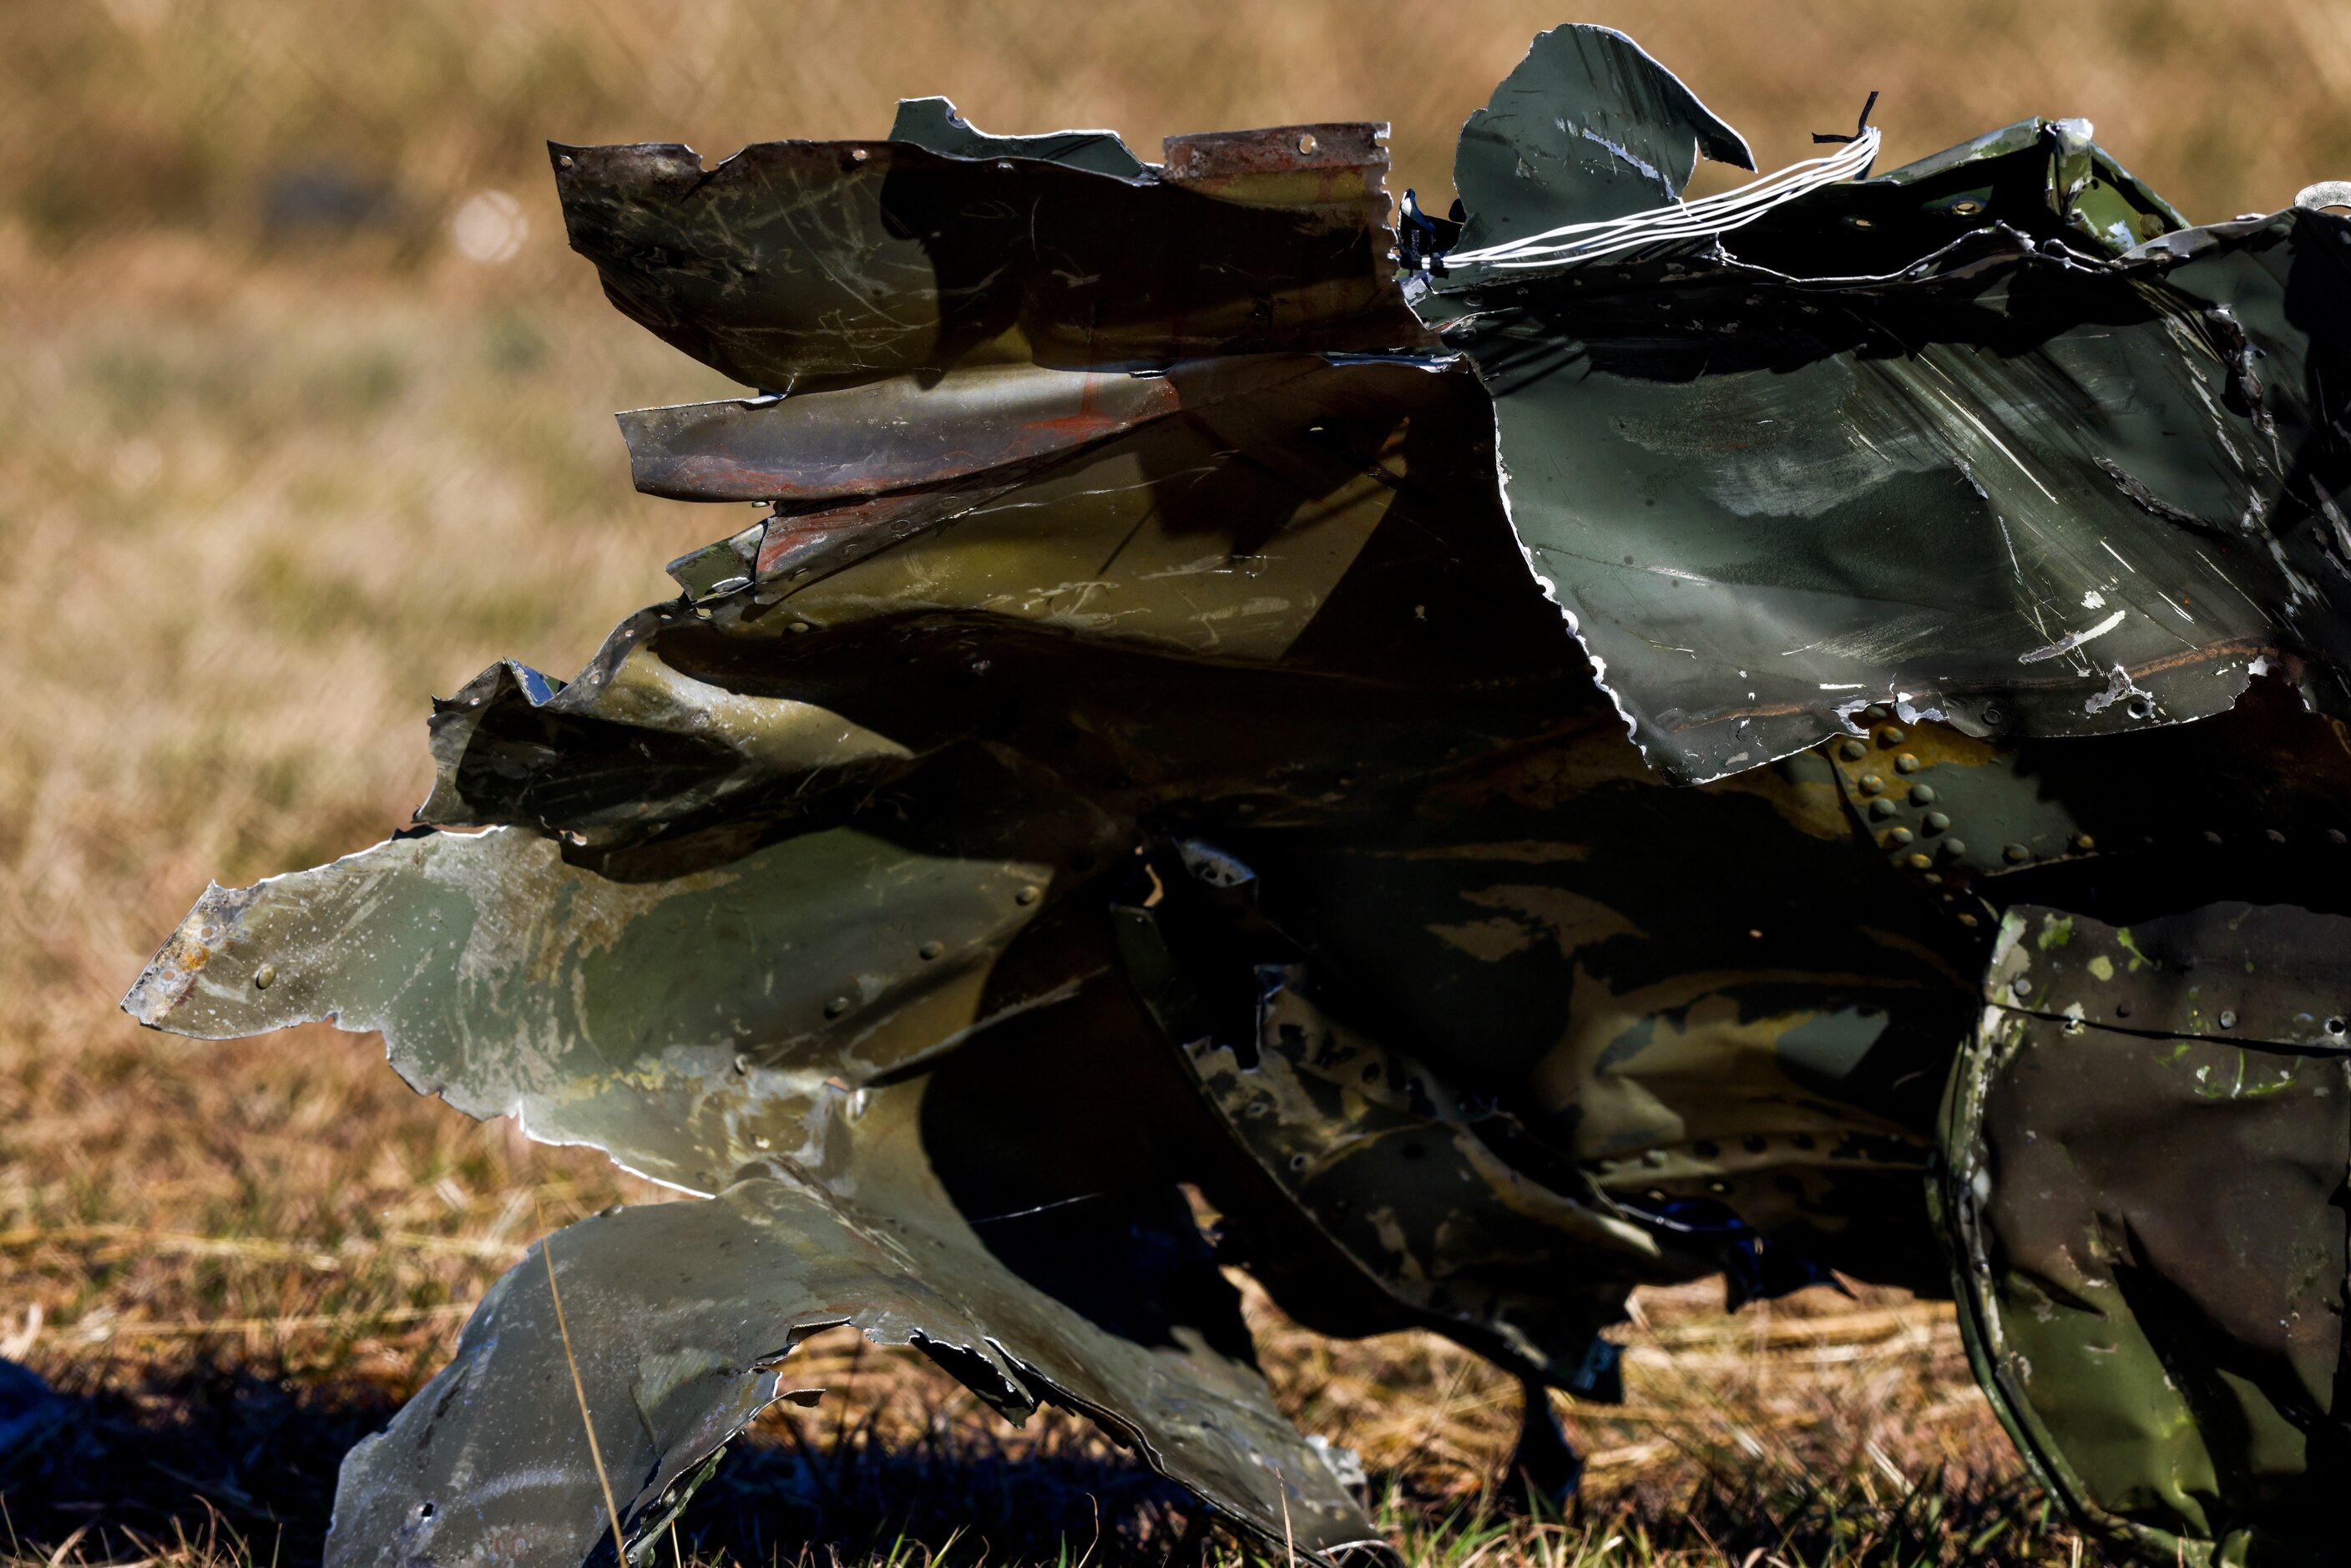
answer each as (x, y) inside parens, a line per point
(1134, 756)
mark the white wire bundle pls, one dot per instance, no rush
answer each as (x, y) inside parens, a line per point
(1684, 220)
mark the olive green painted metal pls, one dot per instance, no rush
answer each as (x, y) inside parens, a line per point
(1990, 438)
(1588, 127)
(932, 123)
(1133, 757)
(2147, 1142)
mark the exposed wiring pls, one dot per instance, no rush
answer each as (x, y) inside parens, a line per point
(1702, 219)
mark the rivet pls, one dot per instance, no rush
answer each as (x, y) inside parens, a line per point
(1026, 896)
(2335, 836)
(1916, 861)
(1881, 807)
(2015, 853)
(1967, 920)
(1898, 836)
(565, 160)
(2227, 1019)
(2122, 1010)
(2211, 837)
(930, 950)
(1307, 143)
(1937, 822)
(1871, 783)
(1967, 209)
(1653, 1156)
(1889, 735)
(2021, 986)
(2085, 842)
(742, 1062)
(799, 625)
(1922, 793)
(1853, 750)
(2273, 835)
(1955, 848)
(2337, 1027)
(263, 976)
(835, 1008)
(858, 155)
(760, 1140)
(1905, 763)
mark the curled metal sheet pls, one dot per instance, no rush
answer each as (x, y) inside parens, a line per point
(688, 1350)
(900, 435)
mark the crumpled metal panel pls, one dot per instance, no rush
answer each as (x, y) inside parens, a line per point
(758, 892)
(756, 1025)
(1134, 756)
(2146, 1145)
(1962, 439)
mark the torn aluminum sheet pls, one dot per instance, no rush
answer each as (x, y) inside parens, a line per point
(1991, 438)
(1133, 759)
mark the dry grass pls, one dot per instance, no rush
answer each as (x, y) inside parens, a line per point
(264, 486)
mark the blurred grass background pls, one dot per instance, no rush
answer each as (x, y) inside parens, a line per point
(305, 413)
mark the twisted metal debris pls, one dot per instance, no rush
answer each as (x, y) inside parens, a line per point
(1135, 752)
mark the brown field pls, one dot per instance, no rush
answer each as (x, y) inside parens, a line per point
(277, 459)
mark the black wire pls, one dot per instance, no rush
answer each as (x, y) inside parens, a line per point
(1858, 126)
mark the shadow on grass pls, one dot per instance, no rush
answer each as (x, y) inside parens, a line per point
(220, 1466)
(214, 1459)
